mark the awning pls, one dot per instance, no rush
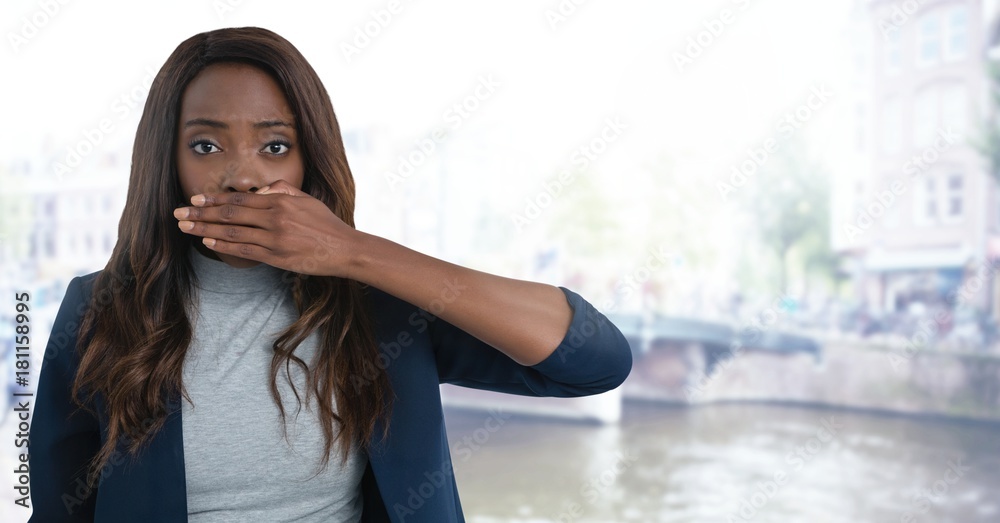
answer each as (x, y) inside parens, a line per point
(993, 247)
(918, 259)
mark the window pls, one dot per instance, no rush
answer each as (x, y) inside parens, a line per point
(930, 212)
(891, 218)
(939, 109)
(893, 52)
(925, 203)
(49, 207)
(928, 39)
(939, 199)
(49, 250)
(953, 198)
(954, 108)
(862, 126)
(958, 33)
(925, 112)
(892, 125)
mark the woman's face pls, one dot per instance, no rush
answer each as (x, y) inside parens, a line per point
(236, 133)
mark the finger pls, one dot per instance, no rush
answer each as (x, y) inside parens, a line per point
(242, 199)
(281, 187)
(229, 233)
(242, 250)
(225, 213)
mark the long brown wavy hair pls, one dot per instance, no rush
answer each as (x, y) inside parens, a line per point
(135, 356)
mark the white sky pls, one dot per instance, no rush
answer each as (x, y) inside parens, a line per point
(607, 58)
(557, 86)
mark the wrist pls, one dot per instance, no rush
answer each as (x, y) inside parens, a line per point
(360, 257)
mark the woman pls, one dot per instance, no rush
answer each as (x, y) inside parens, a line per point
(237, 256)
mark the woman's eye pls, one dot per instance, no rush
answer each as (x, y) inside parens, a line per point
(203, 147)
(276, 148)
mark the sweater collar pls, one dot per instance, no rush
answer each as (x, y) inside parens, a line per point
(218, 276)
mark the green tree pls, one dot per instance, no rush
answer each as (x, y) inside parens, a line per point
(680, 210)
(988, 143)
(583, 217)
(788, 199)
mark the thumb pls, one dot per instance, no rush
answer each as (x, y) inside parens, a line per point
(281, 187)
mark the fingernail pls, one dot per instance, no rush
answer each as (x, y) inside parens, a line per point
(198, 199)
(181, 213)
(264, 189)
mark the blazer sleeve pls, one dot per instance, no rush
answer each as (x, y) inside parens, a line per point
(592, 357)
(62, 440)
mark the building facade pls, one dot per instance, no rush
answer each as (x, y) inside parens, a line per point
(928, 212)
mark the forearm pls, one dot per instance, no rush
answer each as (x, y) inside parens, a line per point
(525, 320)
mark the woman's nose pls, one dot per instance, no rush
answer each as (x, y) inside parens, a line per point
(234, 189)
(242, 177)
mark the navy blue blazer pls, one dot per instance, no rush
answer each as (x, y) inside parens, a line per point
(409, 475)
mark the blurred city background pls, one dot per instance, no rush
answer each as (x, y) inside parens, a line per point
(790, 208)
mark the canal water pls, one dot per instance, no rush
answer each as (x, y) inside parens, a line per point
(732, 462)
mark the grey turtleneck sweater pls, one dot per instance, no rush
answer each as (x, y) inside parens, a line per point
(238, 466)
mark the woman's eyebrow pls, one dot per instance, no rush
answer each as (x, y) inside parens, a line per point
(206, 122)
(272, 123)
(264, 124)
